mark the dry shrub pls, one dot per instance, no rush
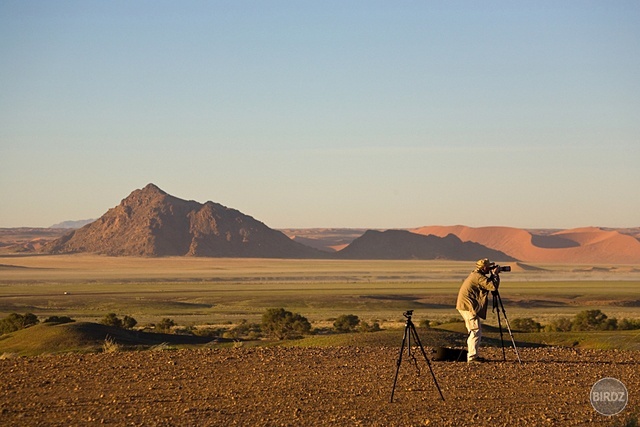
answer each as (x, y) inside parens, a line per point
(110, 346)
(5, 356)
(161, 347)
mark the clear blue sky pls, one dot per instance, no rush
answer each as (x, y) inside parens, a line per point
(369, 114)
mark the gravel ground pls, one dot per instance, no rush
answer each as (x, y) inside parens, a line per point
(342, 386)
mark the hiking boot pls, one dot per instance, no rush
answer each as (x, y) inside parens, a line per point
(476, 359)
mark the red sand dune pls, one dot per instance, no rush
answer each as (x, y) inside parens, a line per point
(588, 245)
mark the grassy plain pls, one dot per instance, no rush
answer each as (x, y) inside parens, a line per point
(195, 291)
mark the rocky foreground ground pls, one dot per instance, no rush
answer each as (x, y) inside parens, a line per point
(342, 386)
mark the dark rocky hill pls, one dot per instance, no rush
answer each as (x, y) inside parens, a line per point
(150, 222)
(402, 244)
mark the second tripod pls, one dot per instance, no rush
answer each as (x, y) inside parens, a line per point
(409, 333)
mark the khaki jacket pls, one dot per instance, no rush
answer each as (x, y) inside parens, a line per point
(473, 294)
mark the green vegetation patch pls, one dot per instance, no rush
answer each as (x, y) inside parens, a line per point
(229, 296)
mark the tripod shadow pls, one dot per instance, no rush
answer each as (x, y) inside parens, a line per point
(491, 338)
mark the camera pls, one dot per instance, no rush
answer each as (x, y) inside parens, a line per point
(408, 314)
(499, 269)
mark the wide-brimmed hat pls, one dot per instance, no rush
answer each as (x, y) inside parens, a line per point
(484, 263)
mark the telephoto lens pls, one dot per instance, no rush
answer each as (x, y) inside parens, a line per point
(500, 269)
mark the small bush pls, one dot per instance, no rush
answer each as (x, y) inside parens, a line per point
(208, 332)
(526, 324)
(346, 323)
(129, 322)
(282, 324)
(610, 324)
(365, 327)
(592, 320)
(165, 325)
(58, 319)
(628, 324)
(562, 324)
(247, 330)
(229, 335)
(425, 323)
(15, 322)
(112, 319)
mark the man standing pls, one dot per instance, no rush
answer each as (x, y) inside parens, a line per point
(472, 304)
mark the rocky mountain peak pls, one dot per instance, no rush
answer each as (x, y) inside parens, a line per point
(151, 222)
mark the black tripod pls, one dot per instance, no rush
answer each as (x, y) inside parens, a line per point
(409, 331)
(497, 301)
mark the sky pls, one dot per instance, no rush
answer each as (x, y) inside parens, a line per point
(366, 114)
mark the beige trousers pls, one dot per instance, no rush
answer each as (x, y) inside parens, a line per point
(474, 327)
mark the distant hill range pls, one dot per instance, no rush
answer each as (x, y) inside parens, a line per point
(150, 222)
(402, 244)
(589, 245)
(27, 239)
(73, 224)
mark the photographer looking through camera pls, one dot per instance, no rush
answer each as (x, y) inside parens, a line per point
(473, 299)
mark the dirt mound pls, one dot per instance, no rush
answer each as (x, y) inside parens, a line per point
(401, 244)
(343, 386)
(578, 246)
(52, 338)
(151, 222)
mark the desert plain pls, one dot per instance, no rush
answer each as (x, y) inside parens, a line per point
(343, 379)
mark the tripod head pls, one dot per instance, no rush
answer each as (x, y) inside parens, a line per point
(408, 314)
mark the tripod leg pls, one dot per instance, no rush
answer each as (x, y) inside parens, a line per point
(404, 339)
(513, 341)
(496, 309)
(504, 354)
(426, 359)
(466, 342)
